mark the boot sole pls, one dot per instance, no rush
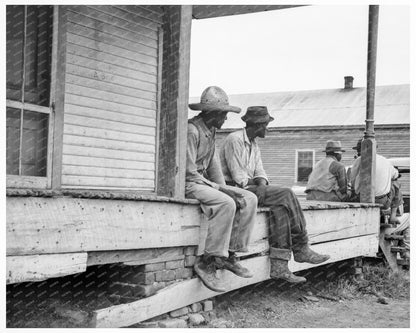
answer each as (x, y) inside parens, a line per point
(207, 284)
(289, 280)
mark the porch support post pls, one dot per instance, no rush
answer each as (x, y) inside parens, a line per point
(368, 146)
(173, 121)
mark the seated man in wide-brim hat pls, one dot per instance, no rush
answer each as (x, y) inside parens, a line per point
(242, 167)
(219, 202)
(328, 179)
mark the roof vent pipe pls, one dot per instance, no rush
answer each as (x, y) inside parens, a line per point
(348, 82)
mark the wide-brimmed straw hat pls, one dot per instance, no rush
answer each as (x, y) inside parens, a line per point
(333, 146)
(257, 114)
(214, 99)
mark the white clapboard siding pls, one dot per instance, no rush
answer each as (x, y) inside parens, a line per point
(108, 59)
(111, 97)
(109, 134)
(90, 19)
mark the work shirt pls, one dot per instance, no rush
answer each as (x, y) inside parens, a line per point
(328, 175)
(241, 159)
(385, 172)
(202, 162)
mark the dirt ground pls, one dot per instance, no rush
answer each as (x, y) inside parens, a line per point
(330, 299)
(267, 307)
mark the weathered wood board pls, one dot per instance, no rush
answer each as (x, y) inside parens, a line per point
(57, 225)
(62, 224)
(45, 266)
(366, 246)
(135, 257)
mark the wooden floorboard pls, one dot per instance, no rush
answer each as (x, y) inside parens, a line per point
(44, 266)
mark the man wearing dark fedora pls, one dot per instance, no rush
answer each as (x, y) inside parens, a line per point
(328, 179)
(226, 234)
(242, 167)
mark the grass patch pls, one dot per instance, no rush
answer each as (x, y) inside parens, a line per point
(377, 279)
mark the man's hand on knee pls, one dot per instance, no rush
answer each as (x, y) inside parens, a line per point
(261, 193)
(237, 197)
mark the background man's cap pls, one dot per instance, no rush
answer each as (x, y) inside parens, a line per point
(257, 114)
(214, 99)
(333, 146)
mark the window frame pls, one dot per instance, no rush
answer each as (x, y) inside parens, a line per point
(21, 181)
(297, 151)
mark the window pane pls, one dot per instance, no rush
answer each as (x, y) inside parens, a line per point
(34, 144)
(305, 165)
(38, 54)
(12, 141)
(14, 53)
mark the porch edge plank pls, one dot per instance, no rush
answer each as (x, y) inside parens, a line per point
(44, 266)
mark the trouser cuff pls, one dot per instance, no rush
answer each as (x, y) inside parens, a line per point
(284, 254)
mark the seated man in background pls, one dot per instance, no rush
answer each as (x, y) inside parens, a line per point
(328, 179)
(242, 167)
(219, 202)
(387, 188)
(403, 229)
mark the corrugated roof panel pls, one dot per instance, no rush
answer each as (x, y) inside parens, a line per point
(325, 107)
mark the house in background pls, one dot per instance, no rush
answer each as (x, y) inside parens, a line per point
(305, 120)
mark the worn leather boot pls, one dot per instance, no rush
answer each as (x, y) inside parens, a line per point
(206, 270)
(306, 254)
(279, 268)
(231, 263)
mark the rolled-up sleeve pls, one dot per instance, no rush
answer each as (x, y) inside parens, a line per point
(233, 150)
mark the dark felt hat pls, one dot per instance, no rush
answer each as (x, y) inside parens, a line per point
(257, 114)
(333, 146)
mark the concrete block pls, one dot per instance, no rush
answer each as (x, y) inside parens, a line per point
(179, 312)
(146, 278)
(130, 274)
(159, 276)
(208, 305)
(196, 319)
(168, 275)
(175, 264)
(184, 273)
(173, 323)
(152, 267)
(196, 307)
(76, 316)
(149, 324)
(189, 261)
(190, 250)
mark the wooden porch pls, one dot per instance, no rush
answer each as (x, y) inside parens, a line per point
(52, 234)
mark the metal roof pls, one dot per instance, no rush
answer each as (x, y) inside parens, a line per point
(209, 11)
(325, 107)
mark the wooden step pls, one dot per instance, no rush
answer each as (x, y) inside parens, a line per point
(393, 237)
(397, 249)
(386, 225)
(403, 262)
